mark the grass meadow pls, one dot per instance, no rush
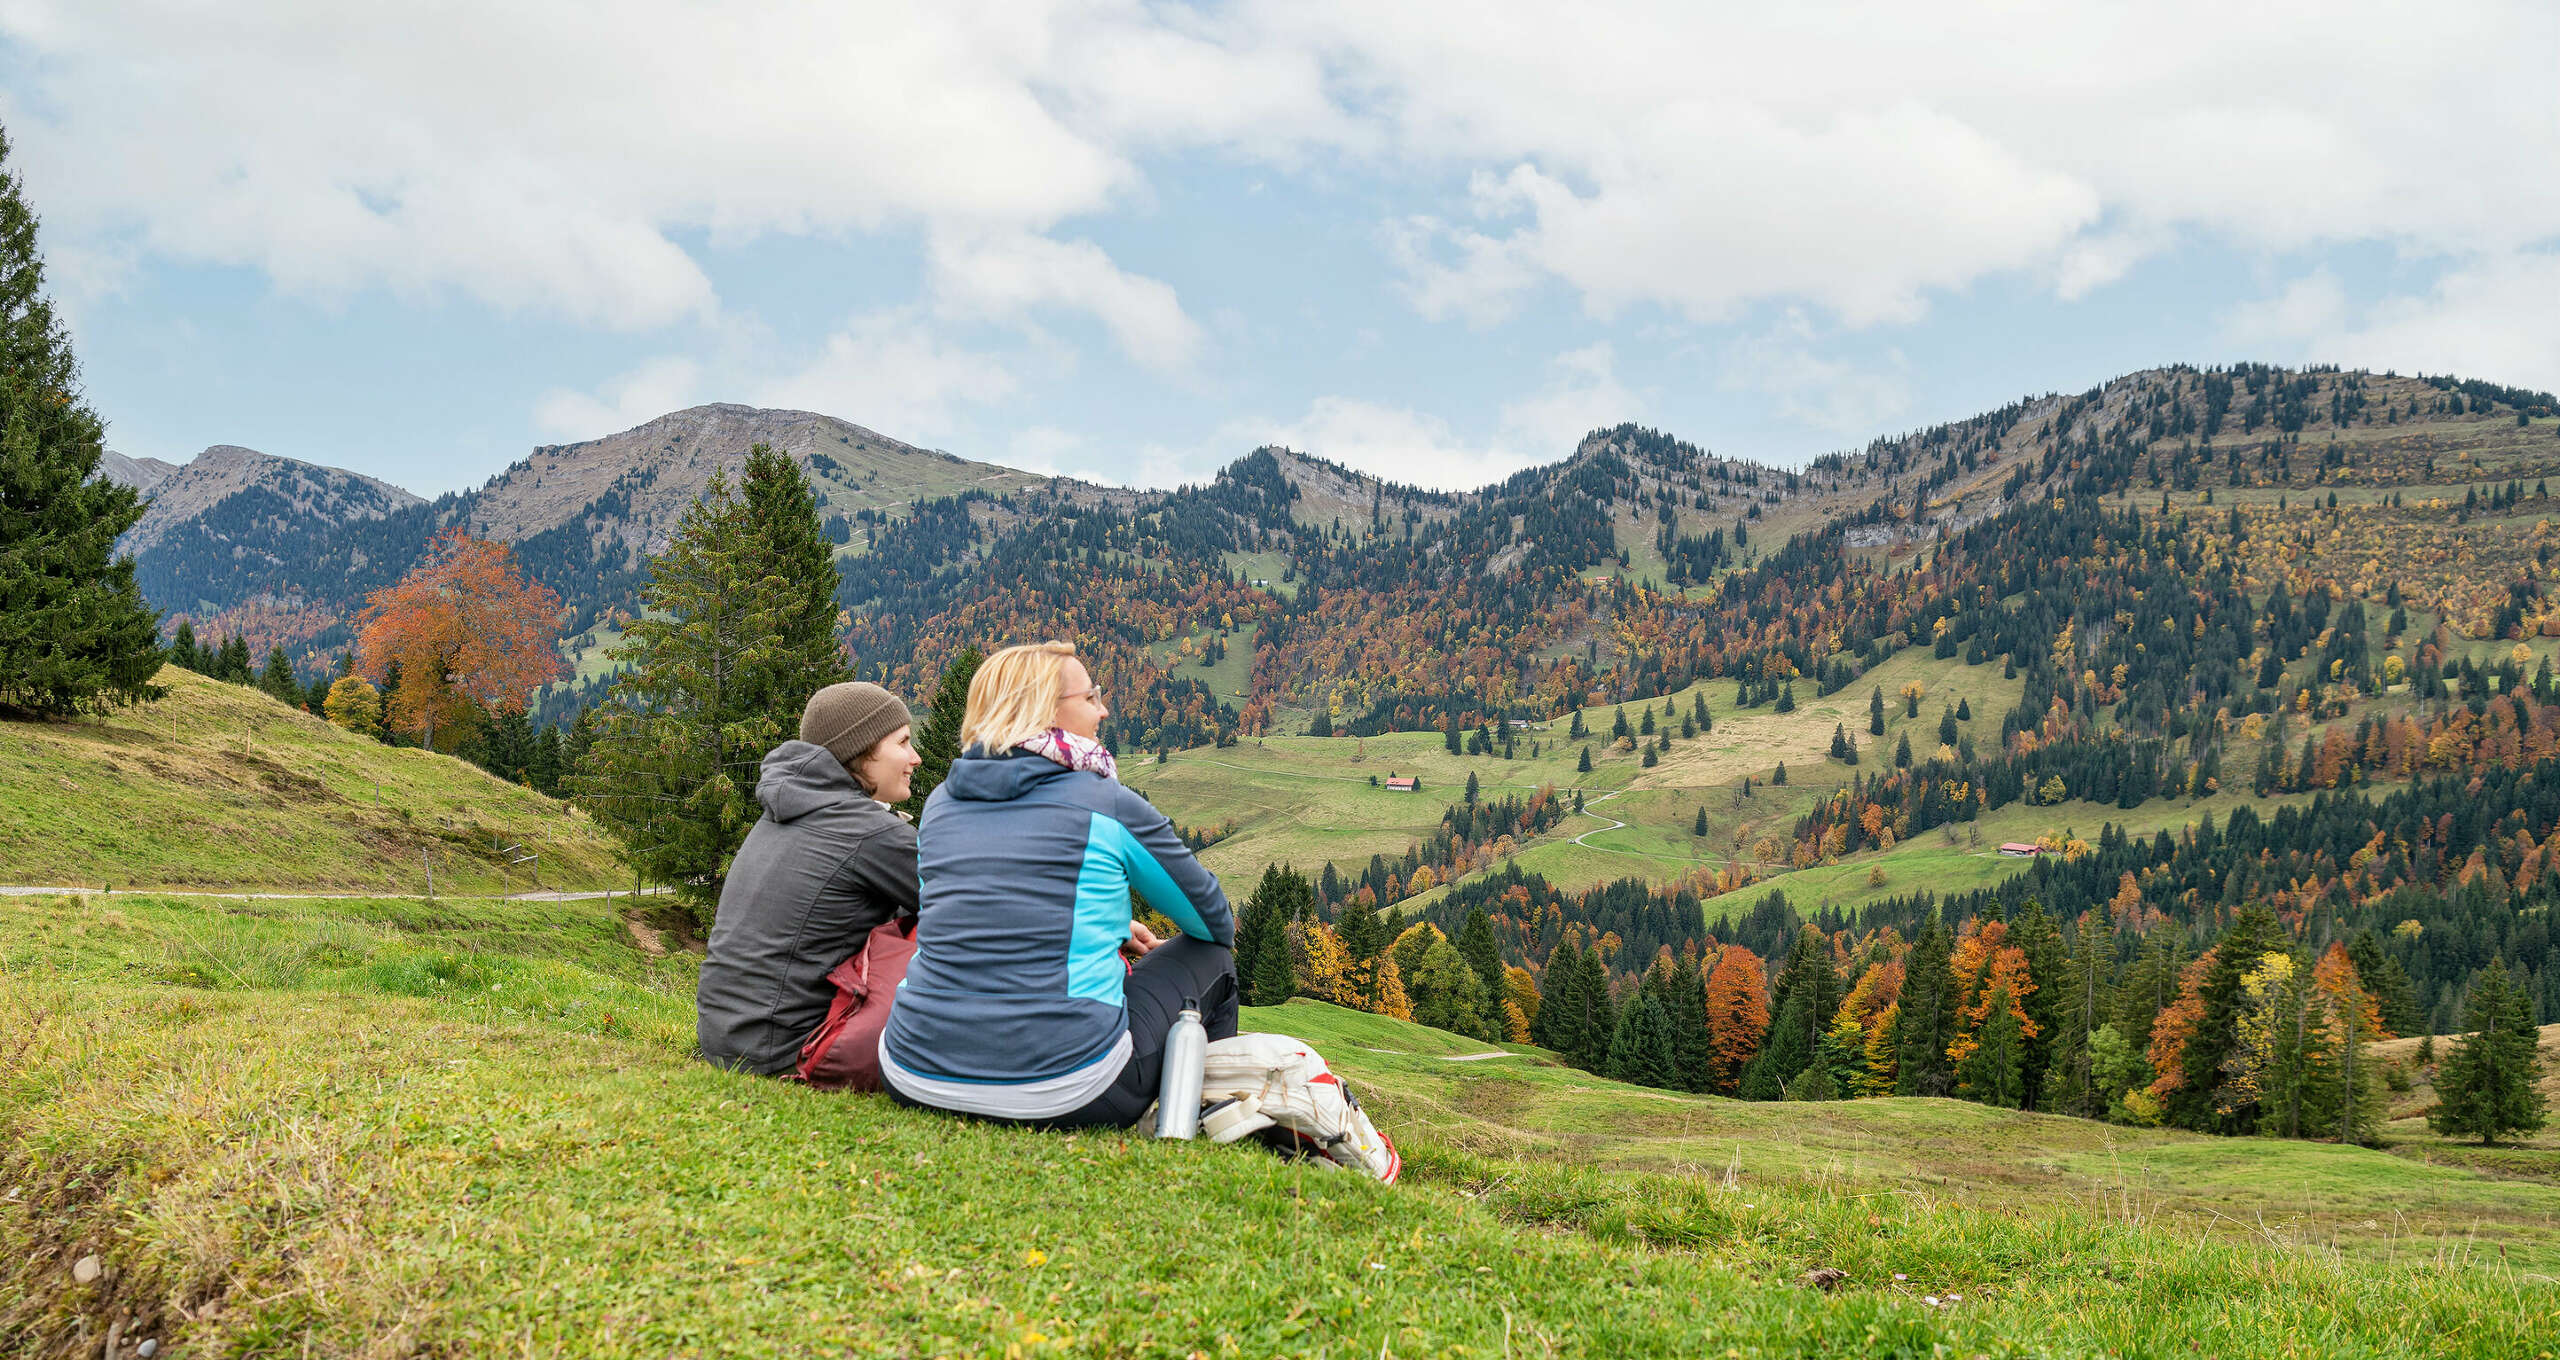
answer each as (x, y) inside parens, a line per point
(400, 1128)
(220, 787)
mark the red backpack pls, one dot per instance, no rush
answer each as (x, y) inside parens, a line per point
(843, 1053)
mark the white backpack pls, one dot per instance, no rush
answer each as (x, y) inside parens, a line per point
(1276, 1086)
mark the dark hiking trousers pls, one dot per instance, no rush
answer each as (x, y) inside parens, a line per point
(1180, 969)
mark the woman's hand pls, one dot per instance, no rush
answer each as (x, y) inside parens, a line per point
(1140, 940)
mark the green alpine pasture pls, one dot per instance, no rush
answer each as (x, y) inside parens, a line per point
(219, 787)
(405, 1128)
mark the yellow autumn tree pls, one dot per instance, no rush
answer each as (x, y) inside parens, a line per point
(355, 705)
(1323, 965)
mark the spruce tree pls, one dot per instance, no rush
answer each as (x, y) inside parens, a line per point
(1265, 973)
(2207, 1102)
(2149, 987)
(1684, 1006)
(1552, 1026)
(2383, 976)
(2086, 1002)
(182, 648)
(938, 740)
(276, 680)
(1808, 992)
(1599, 1020)
(2296, 1089)
(2036, 935)
(1640, 1050)
(543, 770)
(1875, 712)
(1483, 952)
(1995, 1072)
(2487, 1086)
(75, 636)
(738, 632)
(1925, 1019)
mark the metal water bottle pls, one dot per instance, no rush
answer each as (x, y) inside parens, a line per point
(1186, 1051)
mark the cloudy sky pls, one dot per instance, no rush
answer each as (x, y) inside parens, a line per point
(1133, 241)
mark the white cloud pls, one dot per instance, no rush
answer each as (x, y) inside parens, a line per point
(893, 375)
(2315, 304)
(1582, 395)
(1012, 274)
(1042, 448)
(634, 398)
(1859, 159)
(539, 159)
(1844, 163)
(2490, 317)
(887, 370)
(1405, 445)
(2497, 319)
(1785, 363)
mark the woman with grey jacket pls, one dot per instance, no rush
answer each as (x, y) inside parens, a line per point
(826, 863)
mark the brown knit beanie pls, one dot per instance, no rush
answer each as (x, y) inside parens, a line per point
(850, 719)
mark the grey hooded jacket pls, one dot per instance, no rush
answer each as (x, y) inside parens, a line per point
(823, 866)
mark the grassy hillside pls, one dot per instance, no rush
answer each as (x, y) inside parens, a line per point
(332, 1128)
(221, 787)
(1306, 800)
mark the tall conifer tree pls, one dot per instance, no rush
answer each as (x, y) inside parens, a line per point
(75, 635)
(2035, 935)
(1925, 1019)
(1808, 993)
(2486, 1086)
(739, 632)
(2208, 1101)
(938, 741)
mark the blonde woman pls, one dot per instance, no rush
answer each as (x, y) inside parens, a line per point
(1018, 1005)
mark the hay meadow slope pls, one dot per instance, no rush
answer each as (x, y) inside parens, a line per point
(403, 1128)
(219, 787)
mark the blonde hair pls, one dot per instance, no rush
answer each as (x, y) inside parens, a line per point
(1014, 696)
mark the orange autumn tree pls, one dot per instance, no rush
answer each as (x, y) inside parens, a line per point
(467, 631)
(1987, 966)
(1737, 1016)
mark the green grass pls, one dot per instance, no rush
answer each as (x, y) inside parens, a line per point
(220, 787)
(332, 1158)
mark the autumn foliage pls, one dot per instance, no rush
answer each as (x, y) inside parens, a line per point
(466, 631)
(1737, 1015)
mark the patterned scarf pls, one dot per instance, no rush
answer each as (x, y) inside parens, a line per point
(1073, 751)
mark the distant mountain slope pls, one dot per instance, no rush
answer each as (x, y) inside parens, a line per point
(141, 474)
(650, 474)
(290, 494)
(285, 552)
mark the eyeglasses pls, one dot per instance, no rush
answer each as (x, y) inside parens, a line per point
(1091, 694)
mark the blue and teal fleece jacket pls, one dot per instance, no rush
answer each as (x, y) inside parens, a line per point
(1025, 871)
